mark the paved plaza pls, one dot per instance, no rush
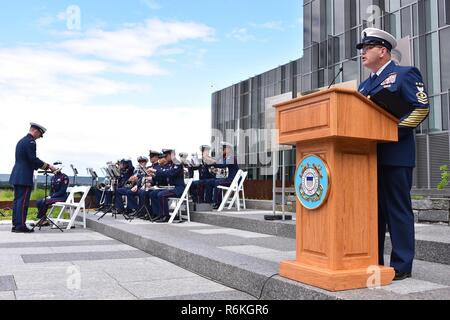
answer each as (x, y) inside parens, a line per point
(85, 265)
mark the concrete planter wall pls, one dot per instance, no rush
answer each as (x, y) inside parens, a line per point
(434, 210)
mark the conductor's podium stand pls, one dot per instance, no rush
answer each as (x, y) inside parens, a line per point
(336, 133)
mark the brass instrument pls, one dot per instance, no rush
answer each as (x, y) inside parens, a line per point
(220, 173)
(132, 182)
(105, 185)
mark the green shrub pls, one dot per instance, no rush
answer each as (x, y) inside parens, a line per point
(445, 177)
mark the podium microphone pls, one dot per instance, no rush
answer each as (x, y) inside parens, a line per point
(339, 73)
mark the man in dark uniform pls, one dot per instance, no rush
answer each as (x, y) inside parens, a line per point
(58, 193)
(396, 161)
(22, 176)
(174, 174)
(149, 181)
(229, 161)
(205, 176)
(126, 172)
(132, 191)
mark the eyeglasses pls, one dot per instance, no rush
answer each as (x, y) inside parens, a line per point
(369, 47)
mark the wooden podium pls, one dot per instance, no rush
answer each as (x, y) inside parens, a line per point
(337, 244)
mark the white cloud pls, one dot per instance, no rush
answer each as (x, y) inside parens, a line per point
(136, 41)
(241, 34)
(151, 4)
(271, 25)
(57, 84)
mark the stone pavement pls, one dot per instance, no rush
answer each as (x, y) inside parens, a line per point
(85, 265)
(249, 260)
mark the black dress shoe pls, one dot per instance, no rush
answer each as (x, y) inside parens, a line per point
(164, 219)
(22, 230)
(215, 207)
(13, 229)
(402, 276)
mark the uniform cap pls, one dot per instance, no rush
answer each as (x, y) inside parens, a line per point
(226, 144)
(154, 153)
(374, 36)
(39, 127)
(205, 147)
(167, 151)
(141, 159)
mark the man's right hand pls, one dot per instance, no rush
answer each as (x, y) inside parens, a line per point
(52, 168)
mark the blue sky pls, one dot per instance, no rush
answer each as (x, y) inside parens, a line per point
(142, 66)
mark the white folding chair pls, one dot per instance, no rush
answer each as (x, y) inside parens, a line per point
(181, 203)
(74, 208)
(237, 195)
(229, 190)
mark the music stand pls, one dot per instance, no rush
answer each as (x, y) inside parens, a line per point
(75, 174)
(114, 173)
(45, 218)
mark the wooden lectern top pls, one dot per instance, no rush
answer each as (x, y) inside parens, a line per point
(334, 113)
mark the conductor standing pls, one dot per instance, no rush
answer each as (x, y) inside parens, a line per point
(22, 176)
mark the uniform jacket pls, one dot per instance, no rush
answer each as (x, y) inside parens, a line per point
(26, 162)
(407, 83)
(59, 185)
(173, 174)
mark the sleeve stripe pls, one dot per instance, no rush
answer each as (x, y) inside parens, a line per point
(415, 118)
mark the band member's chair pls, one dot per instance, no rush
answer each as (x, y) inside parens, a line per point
(181, 204)
(230, 191)
(74, 208)
(240, 194)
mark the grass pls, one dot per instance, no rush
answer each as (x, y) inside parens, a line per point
(32, 215)
(8, 195)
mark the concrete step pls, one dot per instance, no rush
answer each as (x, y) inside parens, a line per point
(432, 241)
(249, 261)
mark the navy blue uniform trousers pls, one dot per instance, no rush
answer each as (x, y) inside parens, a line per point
(21, 203)
(395, 212)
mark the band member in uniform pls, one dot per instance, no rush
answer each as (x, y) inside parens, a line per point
(396, 161)
(205, 176)
(174, 174)
(149, 181)
(22, 176)
(126, 172)
(131, 189)
(58, 193)
(229, 160)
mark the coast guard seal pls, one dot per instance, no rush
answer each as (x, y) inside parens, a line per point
(312, 182)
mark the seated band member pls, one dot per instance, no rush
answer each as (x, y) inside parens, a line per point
(58, 193)
(174, 174)
(126, 172)
(198, 187)
(131, 190)
(148, 182)
(229, 160)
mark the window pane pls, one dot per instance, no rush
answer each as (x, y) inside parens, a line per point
(445, 58)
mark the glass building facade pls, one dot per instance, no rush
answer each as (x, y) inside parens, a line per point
(331, 30)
